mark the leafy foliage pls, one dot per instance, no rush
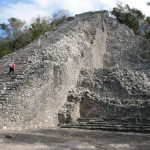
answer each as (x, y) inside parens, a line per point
(4, 47)
(129, 16)
(134, 19)
(19, 35)
(148, 20)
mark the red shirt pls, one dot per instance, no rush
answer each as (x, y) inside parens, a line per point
(12, 66)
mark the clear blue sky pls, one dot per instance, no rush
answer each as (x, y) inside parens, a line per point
(28, 9)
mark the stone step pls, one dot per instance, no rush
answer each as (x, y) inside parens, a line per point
(114, 124)
(110, 127)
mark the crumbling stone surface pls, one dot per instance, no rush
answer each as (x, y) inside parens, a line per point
(66, 59)
(104, 96)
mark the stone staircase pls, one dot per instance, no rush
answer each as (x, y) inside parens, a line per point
(108, 125)
(25, 66)
(8, 85)
(34, 64)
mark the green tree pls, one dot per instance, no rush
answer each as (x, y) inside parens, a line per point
(13, 28)
(39, 26)
(148, 20)
(129, 16)
(4, 47)
(16, 26)
(19, 35)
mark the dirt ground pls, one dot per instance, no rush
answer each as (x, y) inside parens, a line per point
(73, 139)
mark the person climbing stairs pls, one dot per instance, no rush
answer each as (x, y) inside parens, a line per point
(12, 67)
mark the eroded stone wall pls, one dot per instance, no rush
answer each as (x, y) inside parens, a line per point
(38, 91)
(44, 75)
(113, 95)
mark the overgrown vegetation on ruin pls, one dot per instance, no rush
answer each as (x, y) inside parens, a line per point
(16, 34)
(134, 19)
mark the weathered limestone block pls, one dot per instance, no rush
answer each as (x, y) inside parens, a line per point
(89, 108)
(70, 112)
